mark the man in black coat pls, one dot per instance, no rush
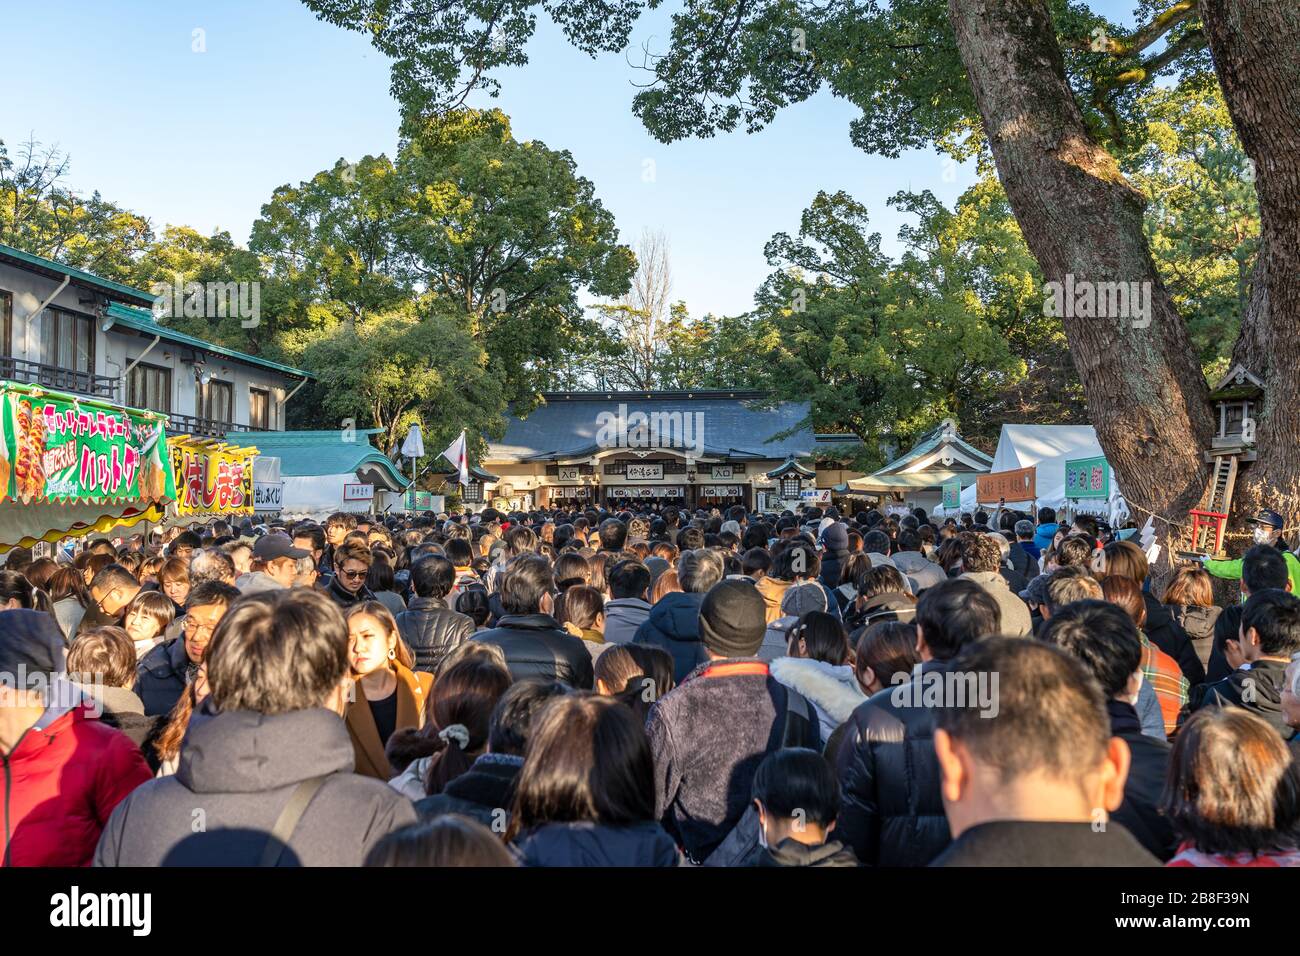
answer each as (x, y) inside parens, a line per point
(892, 813)
(674, 621)
(430, 628)
(1269, 636)
(164, 673)
(1262, 569)
(1105, 640)
(347, 585)
(532, 640)
(1032, 785)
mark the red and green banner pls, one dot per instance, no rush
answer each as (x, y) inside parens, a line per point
(61, 449)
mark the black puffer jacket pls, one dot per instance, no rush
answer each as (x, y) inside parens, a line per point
(1140, 812)
(892, 813)
(1164, 632)
(595, 844)
(432, 631)
(160, 677)
(536, 646)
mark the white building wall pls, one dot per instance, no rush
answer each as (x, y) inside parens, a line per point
(115, 350)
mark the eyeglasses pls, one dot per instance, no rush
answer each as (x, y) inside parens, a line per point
(353, 575)
(193, 627)
(105, 611)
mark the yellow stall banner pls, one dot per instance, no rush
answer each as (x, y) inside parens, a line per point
(212, 477)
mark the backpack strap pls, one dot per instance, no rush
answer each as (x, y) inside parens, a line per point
(278, 840)
(796, 710)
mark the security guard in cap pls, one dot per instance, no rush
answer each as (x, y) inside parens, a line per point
(1268, 530)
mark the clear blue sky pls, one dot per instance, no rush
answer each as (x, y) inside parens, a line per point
(202, 139)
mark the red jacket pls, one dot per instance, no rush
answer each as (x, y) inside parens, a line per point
(60, 783)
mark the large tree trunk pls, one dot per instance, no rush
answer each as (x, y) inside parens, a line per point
(1145, 391)
(1256, 50)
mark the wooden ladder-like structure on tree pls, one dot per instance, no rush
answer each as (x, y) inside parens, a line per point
(1211, 520)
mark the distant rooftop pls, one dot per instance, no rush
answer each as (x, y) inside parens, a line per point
(735, 423)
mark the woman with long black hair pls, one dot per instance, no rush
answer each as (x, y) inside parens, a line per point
(586, 794)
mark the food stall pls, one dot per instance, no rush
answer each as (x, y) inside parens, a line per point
(71, 466)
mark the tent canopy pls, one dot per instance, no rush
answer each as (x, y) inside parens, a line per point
(1047, 448)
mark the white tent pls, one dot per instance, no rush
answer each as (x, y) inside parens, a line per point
(1047, 448)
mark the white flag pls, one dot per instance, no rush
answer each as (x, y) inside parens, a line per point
(455, 453)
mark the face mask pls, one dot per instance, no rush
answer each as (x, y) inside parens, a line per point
(1263, 535)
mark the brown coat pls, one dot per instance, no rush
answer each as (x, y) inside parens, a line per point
(413, 689)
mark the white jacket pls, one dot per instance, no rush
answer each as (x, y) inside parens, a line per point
(833, 691)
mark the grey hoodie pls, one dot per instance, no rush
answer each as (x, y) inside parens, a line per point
(255, 582)
(237, 771)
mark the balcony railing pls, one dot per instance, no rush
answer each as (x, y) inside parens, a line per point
(209, 427)
(50, 376)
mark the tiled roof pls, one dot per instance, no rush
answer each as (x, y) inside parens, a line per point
(735, 424)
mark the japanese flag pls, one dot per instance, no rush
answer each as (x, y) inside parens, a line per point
(455, 453)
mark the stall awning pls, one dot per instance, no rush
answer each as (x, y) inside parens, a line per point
(912, 482)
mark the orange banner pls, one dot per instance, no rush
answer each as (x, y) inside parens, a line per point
(1017, 485)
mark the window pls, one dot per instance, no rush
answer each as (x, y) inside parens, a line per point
(217, 401)
(6, 322)
(473, 492)
(790, 488)
(259, 409)
(149, 386)
(67, 341)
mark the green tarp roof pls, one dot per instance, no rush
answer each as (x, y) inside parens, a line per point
(142, 320)
(310, 453)
(113, 289)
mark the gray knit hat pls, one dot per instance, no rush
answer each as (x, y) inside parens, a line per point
(733, 619)
(799, 599)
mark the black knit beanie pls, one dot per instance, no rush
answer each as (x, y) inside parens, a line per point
(732, 619)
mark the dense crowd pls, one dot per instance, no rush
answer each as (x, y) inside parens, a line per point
(658, 688)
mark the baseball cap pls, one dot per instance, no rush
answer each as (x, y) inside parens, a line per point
(1270, 518)
(272, 546)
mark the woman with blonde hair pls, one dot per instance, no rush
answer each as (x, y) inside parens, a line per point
(1158, 668)
(166, 756)
(666, 583)
(174, 581)
(388, 695)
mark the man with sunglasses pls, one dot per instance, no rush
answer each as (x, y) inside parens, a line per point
(165, 672)
(347, 586)
(111, 590)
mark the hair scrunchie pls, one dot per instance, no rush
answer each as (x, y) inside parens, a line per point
(456, 732)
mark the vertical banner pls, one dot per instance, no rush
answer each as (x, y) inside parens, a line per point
(952, 496)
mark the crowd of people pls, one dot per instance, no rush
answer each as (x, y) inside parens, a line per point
(655, 688)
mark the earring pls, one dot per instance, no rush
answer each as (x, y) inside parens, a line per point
(392, 653)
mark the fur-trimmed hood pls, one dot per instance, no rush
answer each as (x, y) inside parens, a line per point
(832, 690)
